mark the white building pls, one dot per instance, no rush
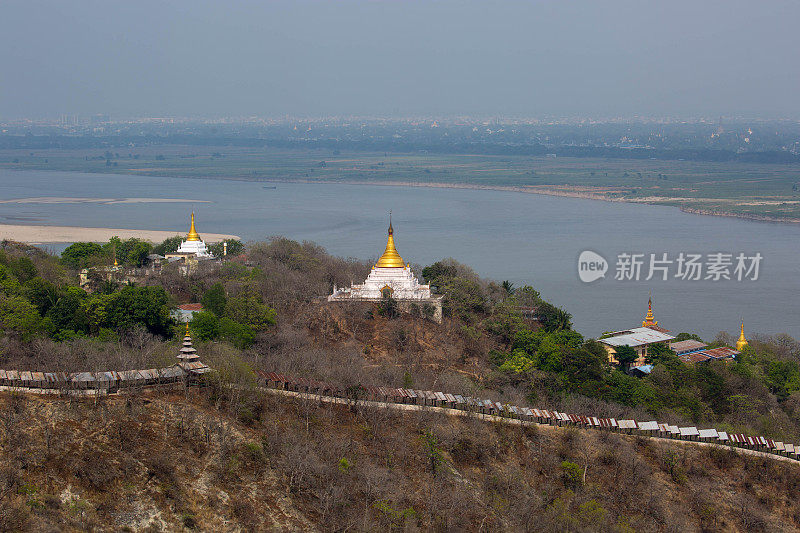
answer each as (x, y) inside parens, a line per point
(194, 244)
(391, 276)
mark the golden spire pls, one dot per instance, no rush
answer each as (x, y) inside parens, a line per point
(742, 342)
(649, 319)
(390, 257)
(193, 236)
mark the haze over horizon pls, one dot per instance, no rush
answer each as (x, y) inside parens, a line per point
(581, 58)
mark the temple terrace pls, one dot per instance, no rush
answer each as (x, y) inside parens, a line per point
(391, 277)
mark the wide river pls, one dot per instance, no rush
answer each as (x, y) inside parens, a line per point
(524, 238)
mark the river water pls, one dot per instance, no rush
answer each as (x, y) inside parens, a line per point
(524, 238)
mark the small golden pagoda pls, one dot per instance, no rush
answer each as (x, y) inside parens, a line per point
(390, 257)
(649, 320)
(192, 236)
(742, 342)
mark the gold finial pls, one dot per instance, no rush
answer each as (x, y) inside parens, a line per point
(187, 329)
(390, 257)
(742, 342)
(649, 319)
(193, 236)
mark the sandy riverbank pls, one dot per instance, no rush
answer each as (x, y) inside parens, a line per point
(54, 234)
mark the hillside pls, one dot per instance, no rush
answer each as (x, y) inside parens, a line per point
(230, 457)
(208, 460)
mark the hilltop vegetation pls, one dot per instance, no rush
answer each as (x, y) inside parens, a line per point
(364, 469)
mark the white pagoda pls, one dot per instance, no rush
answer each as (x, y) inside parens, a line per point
(193, 243)
(390, 277)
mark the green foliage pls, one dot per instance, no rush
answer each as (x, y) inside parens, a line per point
(626, 355)
(68, 313)
(572, 474)
(250, 311)
(433, 453)
(505, 321)
(146, 306)
(41, 293)
(438, 270)
(462, 297)
(23, 269)
(168, 245)
(19, 316)
(205, 325)
(77, 255)
(344, 465)
(235, 247)
(214, 299)
(137, 255)
(396, 518)
(240, 335)
(518, 362)
(553, 318)
(387, 307)
(783, 378)
(687, 336)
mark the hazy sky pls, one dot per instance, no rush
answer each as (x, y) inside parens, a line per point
(595, 58)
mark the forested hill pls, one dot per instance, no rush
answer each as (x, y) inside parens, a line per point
(265, 309)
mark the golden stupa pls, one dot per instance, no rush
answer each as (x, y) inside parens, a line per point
(193, 236)
(649, 320)
(742, 342)
(390, 257)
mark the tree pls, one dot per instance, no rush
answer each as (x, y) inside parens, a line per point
(249, 310)
(137, 255)
(657, 353)
(626, 355)
(508, 287)
(76, 255)
(41, 293)
(235, 247)
(237, 334)
(388, 306)
(19, 316)
(687, 336)
(215, 300)
(205, 325)
(23, 269)
(168, 246)
(553, 318)
(439, 270)
(67, 313)
(147, 306)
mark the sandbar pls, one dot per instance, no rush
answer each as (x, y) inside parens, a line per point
(52, 234)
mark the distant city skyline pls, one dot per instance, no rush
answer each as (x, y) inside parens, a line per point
(400, 59)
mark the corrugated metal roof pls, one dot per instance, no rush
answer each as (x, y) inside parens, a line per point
(721, 353)
(689, 345)
(637, 337)
(695, 357)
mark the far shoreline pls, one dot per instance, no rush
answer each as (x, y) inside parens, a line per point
(544, 192)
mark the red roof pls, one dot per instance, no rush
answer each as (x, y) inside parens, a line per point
(191, 307)
(721, 353)
(695, 357)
